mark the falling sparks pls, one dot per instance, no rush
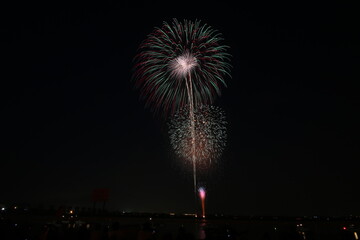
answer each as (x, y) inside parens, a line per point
(210, 134)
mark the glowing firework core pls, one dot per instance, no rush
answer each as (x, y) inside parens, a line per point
(202, 193)
(183, 64)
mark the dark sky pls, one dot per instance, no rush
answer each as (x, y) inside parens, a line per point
(72, 120)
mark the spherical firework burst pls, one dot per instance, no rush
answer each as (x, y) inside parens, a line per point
(178, 60)
(209, 130)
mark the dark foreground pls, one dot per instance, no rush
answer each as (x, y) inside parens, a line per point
(15, 226)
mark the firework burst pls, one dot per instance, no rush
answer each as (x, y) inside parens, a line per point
(178, 60)
(184, 64)
(209, 130)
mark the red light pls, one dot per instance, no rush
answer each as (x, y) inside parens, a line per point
(344, 228)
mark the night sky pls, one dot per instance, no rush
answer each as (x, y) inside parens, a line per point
(71, 120)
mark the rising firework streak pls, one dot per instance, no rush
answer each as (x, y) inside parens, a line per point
(202, 194)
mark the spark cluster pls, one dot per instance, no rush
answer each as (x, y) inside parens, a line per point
(209, 131)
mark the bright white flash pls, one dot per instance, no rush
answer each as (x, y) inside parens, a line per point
(183, 64)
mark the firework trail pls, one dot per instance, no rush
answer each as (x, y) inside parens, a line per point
(202, 195)
(209, 128)
(182, 63)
